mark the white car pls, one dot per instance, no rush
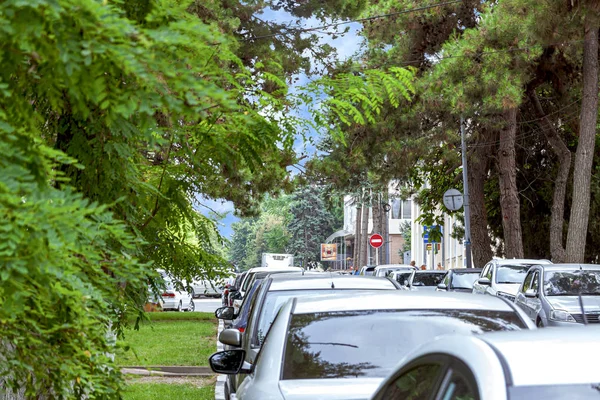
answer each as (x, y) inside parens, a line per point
(384, 270)
(342, 345)
(174, 296)
(540, 364)
(502, 277)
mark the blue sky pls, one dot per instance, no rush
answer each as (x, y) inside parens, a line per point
(346, 45)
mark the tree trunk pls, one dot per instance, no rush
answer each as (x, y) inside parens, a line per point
(580, 207)
(357, 240)
(364, 234)
(557, 248)
(509, 195)
(481, 245)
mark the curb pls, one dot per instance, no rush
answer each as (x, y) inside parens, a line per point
(173, 371)
(220, 385)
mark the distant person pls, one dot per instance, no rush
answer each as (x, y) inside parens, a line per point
(439, 266)
(413, 263)
(423, 267)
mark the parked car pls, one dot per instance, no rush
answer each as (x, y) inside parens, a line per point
(234, 292)
(502, 277)
(229, 284)
(274, 291)
(342, 346)
(425, 280)
(174, 296)
(498, 366)
(459, 280)
(550, 294)
(249, 278)
(367, 270)
(384, 270)
(207, 287)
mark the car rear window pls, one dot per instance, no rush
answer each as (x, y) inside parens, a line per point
(428, 279)
(353, 344)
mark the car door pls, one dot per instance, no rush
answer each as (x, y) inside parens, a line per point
(521, 300)
(420, 380)
(478, 288)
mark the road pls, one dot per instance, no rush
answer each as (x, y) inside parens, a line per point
(207, 304)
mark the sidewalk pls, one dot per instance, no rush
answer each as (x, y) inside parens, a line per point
(168, 371)
(220, 385)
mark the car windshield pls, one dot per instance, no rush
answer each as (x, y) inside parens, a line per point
(572, 283)
(463, 280)
(555, 392)
(428, 278)
(348, 344)
(511, 273)
(273, 302)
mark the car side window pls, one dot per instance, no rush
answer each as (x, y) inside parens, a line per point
(458, 388)
(527, 282)
(535, 281)
(417, 383)
(489, 272)
(446, 280)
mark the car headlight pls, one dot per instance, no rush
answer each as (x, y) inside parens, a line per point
(505, 295)
(560, 315)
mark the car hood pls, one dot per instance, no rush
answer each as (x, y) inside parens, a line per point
(571, 303)
(461, 290)
(330, 389)
(510, 288)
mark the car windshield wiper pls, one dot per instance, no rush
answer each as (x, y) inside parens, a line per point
(334, 344)
(590, 294)
(505, 282)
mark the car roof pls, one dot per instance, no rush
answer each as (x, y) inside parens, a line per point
(261, 269)
(575, 349)
(393, 266)
(512, 261)
(459, 270)
(429, 271)
(326, 280)
(571, 267)
(395, 300)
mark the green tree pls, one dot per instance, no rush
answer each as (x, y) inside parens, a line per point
(310, 225)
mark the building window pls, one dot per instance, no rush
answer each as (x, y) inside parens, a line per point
(401, 209)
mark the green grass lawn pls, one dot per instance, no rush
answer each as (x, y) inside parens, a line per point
(171, 338)
(168, 391)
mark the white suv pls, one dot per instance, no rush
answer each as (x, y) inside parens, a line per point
(502, 277)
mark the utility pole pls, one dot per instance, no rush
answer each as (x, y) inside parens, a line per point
(466, 193)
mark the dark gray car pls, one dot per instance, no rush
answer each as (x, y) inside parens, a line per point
(549, 295)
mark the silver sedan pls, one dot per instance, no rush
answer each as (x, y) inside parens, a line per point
(550, 294)
(542, 364)
(342, 346)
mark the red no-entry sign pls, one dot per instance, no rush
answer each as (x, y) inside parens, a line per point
(376, 240)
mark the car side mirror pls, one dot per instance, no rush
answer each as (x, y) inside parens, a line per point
(232, 337)
(442, 286)
(228, 362)
(484, 281)
(530, 293)
(225, 313)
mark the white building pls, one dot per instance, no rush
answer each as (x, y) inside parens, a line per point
(450, 253)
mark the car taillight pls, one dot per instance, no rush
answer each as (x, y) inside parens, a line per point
(241, 330)
(168, 294)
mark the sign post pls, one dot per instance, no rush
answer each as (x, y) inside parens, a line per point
(376, 241)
